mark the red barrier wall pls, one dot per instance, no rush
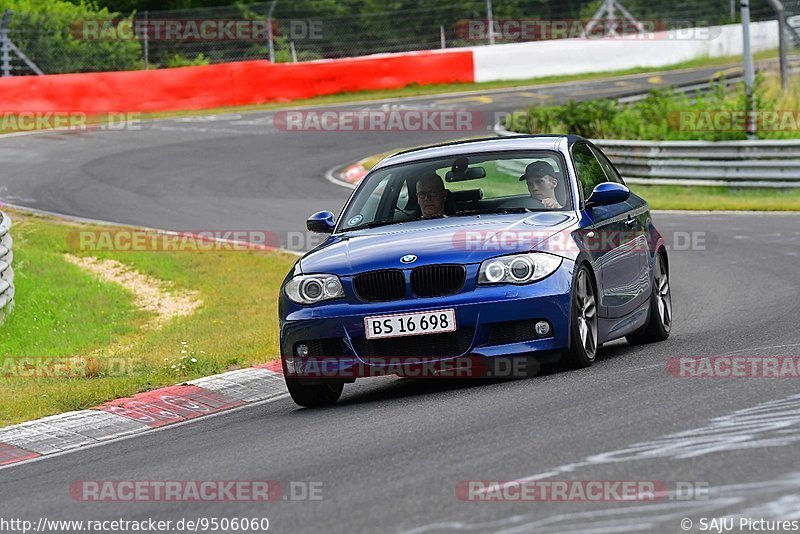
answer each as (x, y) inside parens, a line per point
(228, 84)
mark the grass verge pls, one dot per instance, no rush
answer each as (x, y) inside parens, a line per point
(676, 197)
(62, 312)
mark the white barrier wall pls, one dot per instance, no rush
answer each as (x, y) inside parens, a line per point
(519, 61)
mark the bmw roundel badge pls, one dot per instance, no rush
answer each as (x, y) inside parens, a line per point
(408, 258)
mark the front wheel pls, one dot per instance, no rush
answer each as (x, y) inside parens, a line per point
(314, 395)
(659, 322)
(583, 321)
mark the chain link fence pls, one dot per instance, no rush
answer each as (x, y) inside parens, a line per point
(81, 40)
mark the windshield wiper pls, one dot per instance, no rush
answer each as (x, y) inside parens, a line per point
(372, 224)
(494, 210)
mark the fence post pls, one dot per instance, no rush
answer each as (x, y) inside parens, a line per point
(777, 5)
(269, 32)
(490, 21)
(441, 36)
(749, 73)
(146, 40)
(5, 48)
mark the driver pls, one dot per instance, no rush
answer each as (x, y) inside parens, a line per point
(431, 196)
(542, 183)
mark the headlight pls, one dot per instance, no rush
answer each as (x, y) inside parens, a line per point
(518, 269)
(311, 288)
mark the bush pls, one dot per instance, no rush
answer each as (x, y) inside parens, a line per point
(49, 33)
(177, 60)
(656, 117)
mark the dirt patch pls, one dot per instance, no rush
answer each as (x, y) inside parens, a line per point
(150, 294)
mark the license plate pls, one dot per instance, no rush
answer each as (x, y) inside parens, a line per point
(410, 324)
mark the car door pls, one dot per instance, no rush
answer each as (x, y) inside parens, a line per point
(637, 225)
(607, 240)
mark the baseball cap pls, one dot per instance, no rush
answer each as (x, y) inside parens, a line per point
(538, 169)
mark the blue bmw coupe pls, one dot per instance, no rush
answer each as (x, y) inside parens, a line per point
(526, 246)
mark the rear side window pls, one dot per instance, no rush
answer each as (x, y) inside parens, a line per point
(588, 168)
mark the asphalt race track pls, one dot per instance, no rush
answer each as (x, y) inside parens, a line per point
(390, 456)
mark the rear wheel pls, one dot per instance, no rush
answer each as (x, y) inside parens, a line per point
(659, 322)
(314, 395)
(583, 321)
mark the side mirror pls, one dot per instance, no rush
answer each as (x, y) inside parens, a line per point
(608, 193)
(321, 222)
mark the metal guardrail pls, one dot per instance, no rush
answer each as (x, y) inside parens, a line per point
(763, 163)
(6, 270)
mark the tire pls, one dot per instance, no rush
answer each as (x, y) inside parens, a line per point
(659, 321)
(583, 321)
(316, 395)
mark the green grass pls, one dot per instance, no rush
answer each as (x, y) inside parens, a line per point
(669, 197)
(63, 312)
(432, 90)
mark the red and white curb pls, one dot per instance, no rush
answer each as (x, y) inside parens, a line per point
(348, 176)
(140, 413)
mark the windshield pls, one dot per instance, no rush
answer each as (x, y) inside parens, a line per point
(460, 185)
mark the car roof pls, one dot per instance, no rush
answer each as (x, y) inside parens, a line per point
(473, 146)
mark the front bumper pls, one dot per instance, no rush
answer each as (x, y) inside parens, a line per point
(335, 331)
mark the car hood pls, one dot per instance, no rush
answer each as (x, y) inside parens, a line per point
(458, 240)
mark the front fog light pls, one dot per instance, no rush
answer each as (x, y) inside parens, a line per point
(301, 350)
(542, 328)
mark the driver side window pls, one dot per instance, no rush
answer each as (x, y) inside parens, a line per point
(588, 168)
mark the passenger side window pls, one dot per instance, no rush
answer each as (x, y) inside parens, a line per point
(611, 173)
(588, 168)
